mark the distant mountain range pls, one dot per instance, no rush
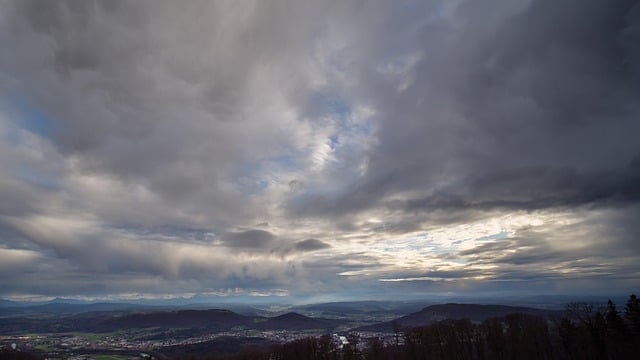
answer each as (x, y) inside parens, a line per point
(15, 309)
(341, 307)
(193, 301)
(11, 303)
(349, 308)
(7, 303)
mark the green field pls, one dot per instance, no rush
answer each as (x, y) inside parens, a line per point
(90, 336)
(129, 333)
(109, 357)
(43, 348)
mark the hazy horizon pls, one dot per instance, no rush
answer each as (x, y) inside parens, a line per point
(319, 150)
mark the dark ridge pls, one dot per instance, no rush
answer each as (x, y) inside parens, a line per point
(474, 312)
(210, 319)
(295, 321)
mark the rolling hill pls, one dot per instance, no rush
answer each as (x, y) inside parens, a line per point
(295, 321)
(473, 312)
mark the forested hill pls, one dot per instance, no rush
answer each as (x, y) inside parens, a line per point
(474, 312)
(204, 320)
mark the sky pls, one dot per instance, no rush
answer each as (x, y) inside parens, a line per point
(319, 150)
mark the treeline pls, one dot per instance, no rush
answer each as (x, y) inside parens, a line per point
(584, 332)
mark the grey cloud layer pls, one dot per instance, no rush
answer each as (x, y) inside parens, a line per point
(142, 142)
(311, 245)
(511, 109)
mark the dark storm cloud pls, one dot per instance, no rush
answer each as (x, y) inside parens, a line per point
(311, 245)
(523, 106)
(539, 188)
(251, 239)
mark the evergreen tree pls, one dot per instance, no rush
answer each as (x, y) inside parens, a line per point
(632, 314)
(615, 324)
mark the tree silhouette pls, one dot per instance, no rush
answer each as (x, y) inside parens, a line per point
(632, 314)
